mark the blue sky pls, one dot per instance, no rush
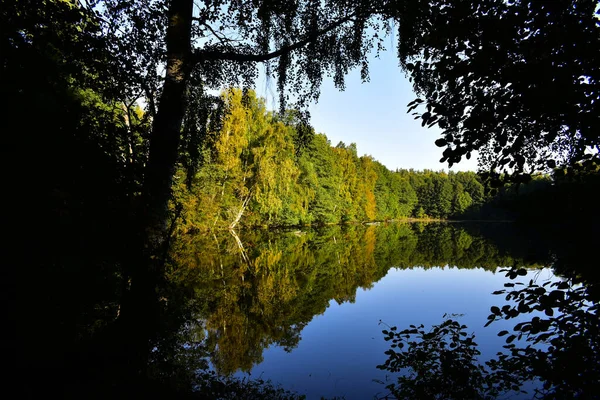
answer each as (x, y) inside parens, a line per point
(373, 115)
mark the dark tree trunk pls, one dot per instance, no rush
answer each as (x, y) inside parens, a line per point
(164, 141)
(139, 311)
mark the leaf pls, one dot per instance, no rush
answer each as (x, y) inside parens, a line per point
(510, 338)
(563, 285)
(495, 310)
(441, 142)
(502, 333)
(557, 294)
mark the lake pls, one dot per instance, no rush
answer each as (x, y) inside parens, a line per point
(305, 309)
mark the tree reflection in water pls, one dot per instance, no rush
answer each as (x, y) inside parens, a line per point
(268, 296)
(220, 306)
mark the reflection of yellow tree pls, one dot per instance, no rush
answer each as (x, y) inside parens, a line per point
(276, 285)
(287, 279)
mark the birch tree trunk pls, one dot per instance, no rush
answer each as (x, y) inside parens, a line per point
(241, 211)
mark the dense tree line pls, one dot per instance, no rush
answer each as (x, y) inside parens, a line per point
(258, 167)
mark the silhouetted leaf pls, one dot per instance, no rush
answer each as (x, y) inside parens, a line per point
(440, 142)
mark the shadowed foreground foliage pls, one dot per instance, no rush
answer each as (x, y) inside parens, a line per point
(556, 349)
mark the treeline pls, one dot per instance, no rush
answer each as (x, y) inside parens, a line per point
(262, 168)
(567, 196)
(255, 167)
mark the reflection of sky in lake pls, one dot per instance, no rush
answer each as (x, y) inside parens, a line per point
(340, 349)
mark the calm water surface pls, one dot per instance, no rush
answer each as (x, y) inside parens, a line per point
(340, 348)
(306, 309)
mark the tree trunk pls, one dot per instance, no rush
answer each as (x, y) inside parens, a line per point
(166, 129)
(146, 259)
(240, 212)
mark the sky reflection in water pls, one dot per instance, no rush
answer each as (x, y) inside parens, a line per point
(340, 349)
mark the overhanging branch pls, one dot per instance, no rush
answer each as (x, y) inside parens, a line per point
(213, 54)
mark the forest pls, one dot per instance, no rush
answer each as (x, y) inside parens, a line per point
(102, 153)
(131, 126)
(260, 168)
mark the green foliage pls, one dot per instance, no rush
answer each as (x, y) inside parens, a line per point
(251, 171)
